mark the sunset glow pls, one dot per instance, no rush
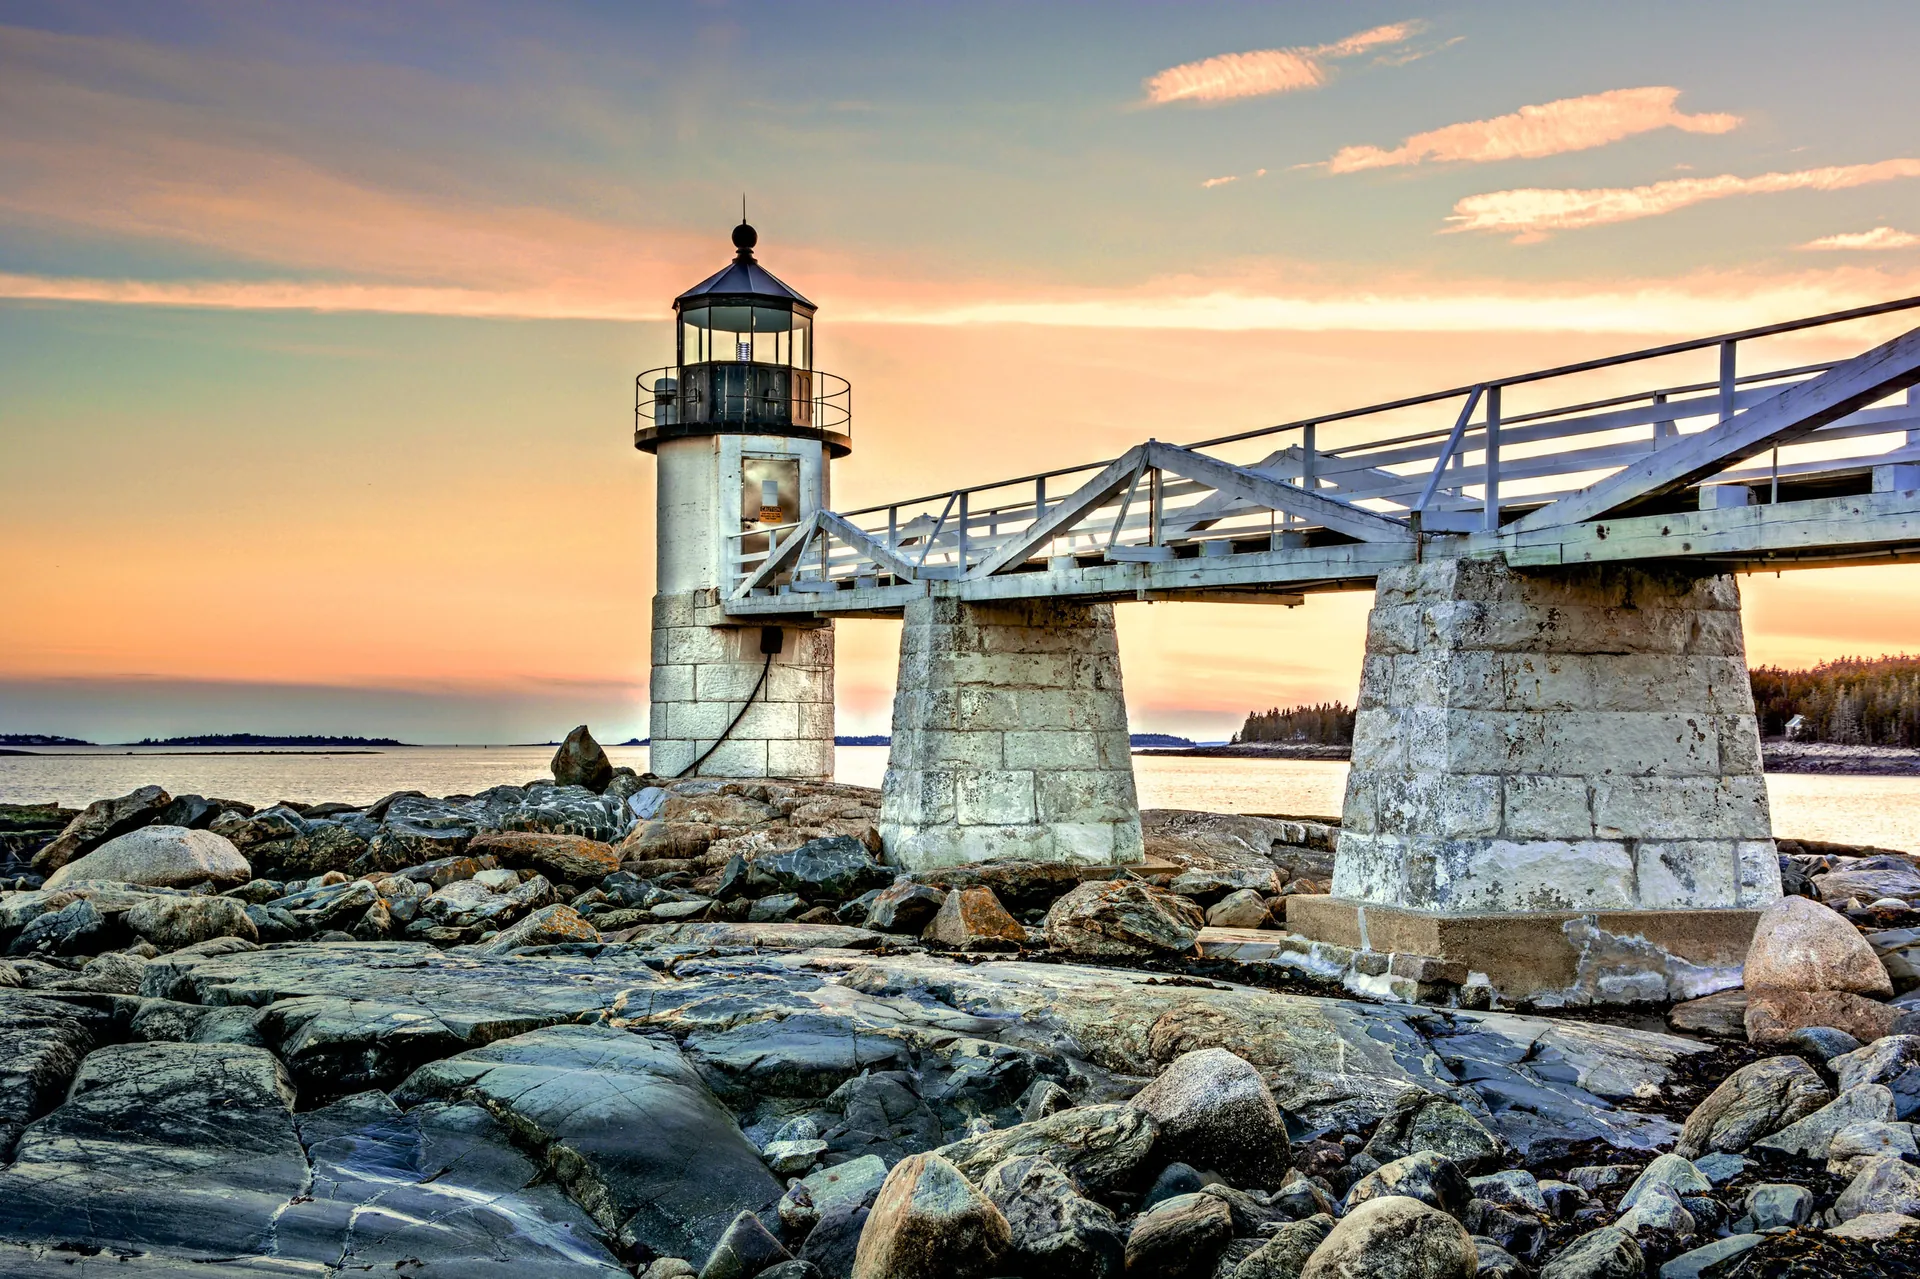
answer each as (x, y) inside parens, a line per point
(318, 326)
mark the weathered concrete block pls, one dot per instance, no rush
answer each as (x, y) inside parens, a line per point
(1568, 740)
(1009, 737)
(1534, 806)
(704, 674)
(993, 797)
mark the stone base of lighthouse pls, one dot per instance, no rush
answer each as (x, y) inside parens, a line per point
(1556, 780)
(1009, 737)
(704, 673)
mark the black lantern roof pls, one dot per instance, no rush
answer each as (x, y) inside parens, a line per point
(744, 279)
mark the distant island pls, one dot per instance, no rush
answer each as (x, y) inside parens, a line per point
(39, 739)
(263, 739)
(1163, 740)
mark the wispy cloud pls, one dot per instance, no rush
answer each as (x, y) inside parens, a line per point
(1549, 128)
(1881, 237)
(1530, 213)
(1266, 71)
(1210, 183)
(1693, 304)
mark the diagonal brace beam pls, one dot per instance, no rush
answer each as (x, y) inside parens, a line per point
(1315, 508)
(866, 544)
(1096, 492)
(1798, 411)
(782, 556)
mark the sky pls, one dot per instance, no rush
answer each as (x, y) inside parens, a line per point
(318, 323)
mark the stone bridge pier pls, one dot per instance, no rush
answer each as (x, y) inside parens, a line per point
(1556, 780)
(1009, 737)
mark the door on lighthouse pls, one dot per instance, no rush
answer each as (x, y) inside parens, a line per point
(769, 498)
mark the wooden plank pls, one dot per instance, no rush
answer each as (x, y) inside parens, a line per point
(1792, 414)
(1316, 508)
(1097, 491)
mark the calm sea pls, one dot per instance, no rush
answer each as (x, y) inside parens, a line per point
(1882, 811)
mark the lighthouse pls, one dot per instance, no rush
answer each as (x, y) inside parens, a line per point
(743, 429)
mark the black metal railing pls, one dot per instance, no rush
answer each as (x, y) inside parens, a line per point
(741, 395)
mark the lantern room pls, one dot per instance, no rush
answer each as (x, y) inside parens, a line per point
(744, 364)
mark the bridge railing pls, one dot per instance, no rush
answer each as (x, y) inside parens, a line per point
(1479, 456)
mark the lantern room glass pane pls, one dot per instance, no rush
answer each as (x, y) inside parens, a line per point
(693, 335)
(802, 341)
(730, 322)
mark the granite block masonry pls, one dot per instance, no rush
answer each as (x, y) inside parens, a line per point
(703, 674)
(1556, 779)
(1009, 737)
(1578, 740)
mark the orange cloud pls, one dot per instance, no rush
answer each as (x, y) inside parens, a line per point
(1266, 71)
(1549, 128)
(1530, 213)
(1881, 237)
(1697, 303)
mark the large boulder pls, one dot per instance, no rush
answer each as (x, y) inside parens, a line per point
(904, 907)
(564, 858)
(1394, 1238)
(78, 927)
(1123, 919)
(1810, 1138)
(1755, 1100)
(1606, 1253)
(1214, 1112)
(99, 822)
(832, 868)
(581, 762)
(1775, 1016)
(929, 1223)
(182, 1148)
(1893, 1061)
(1054, 1229)
(1422, 1121)
(1103, 1148)
(173, 923)
(1869, 879)
(618, 1120)
(1801, 945)
(973, 919)
(159, 857)
(1179, 1238)
(1430, 1178)
(1886, 1184)
(549, 926)
(1285, 1252)
(745, 1250)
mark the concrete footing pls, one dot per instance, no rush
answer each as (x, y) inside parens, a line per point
(1009, 737)
(704, 672)
(1551, 958)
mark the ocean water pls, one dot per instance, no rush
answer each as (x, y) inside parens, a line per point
(1881, 811)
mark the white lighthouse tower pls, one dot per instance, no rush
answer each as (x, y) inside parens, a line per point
(744, 429)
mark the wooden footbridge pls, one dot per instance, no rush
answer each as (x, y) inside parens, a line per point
(1807, 465)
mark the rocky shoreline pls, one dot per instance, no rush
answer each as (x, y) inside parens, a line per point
(1778, 755)
(605, 1024)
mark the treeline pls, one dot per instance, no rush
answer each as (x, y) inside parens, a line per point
(1322, 724)
(1852, 700)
